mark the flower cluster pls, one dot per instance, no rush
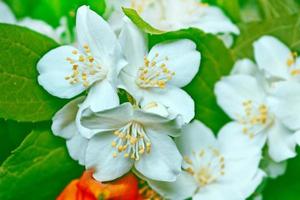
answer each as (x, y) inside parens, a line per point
(262, 98)
(154, 134)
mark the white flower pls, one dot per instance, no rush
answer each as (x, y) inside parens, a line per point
(128, 137)
(214, 169)
(169, 15)
(245, 100)
(282, 66)
(66, 71)
(158, 75)
(276, 60)
(7, 16)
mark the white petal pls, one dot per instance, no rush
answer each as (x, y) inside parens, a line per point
(214, 21)
(102, 96)
(63, 120)
(175, 99)
(235, 144)
(245, 67)
(134, 46)
(94, 31)
(183, 188)
(107, 120)
(281, 142)
(99, 155)
(77, 146)
(250, 187)
(155, 108)
(227, 39)
(195, 136)
(54, 68)
(182, 58)
(284, 102)
(217, 192)
(163, 163)
(232, 91)
(274, 169)
(6, 15)
(272, 55)
(158, 123)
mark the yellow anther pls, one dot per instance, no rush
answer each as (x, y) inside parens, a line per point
(190, 171)
(115, 154)
(187, 160)
(74, 52)
(113, 144)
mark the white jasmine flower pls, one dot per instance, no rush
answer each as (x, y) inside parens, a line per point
(7, 16)
(127, 137)
(276, 60)
(67, 71)
(245, 100)
(158, 75)
(214, 169)
(170, 15)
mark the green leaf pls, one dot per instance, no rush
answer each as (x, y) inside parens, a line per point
(287, 29)
(216, 62)
(38, 169)
(287, 186)
(22, 99)
(11, 135)
(144, 26)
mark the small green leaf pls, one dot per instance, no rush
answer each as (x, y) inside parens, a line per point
(38, 169)
(216, 62)
(287, 29)
(22, 99)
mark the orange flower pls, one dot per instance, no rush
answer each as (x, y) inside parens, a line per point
(87, 188)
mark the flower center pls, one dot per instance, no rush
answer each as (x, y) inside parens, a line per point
(206, 166)
(131, 141)
(291, 61)
(85, 69)
(255, 119)
(154, 73)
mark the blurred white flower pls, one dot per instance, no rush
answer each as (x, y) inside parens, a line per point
(128, 136)
(245, 99)
(214, 169)
(7, 16)
(158, 75)
(170, 15)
